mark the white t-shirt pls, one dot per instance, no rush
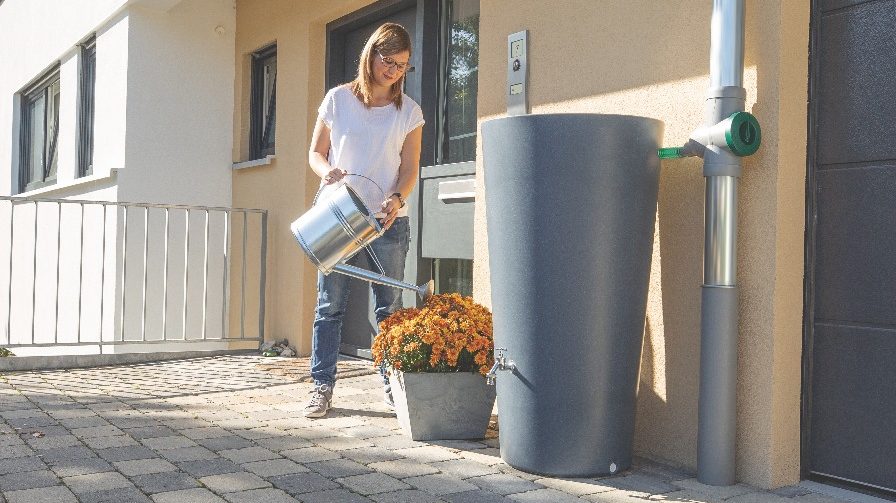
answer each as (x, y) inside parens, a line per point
(367, 141)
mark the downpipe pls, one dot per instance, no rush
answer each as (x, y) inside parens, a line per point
(728, 134)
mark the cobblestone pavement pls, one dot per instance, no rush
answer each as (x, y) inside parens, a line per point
(220, 429)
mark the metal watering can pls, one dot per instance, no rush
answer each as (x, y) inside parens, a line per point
(332, 232)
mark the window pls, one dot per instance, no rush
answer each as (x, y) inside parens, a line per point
(39, 132)
(264, 93)
(87, 92)
(460, 82)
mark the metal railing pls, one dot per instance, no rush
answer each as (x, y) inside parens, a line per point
(109, 273)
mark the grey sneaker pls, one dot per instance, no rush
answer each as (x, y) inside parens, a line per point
(320, 402)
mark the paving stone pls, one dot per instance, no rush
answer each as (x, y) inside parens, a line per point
(488, 456)
(170, 442)
(334, 496)
(226, 443)
(108, 442)
(18, 465)
(403, 468)
(373, 483)
(427, 454)
(82, 466)
(268, 495)
(309, 454)
(577, 487)
(152, 483)
(127, 453)
(31, 423)
(545, 496)
(754, 497)
(342, 443)
(233, 482)
(84, 422)
(298, 483)
(504, 484)
(97, 431)
(15, 451)
(205, 432)
(249, 454)
(464, 468)
(144, 466)
(205, 467)
(625, 496)
(80, 484)
(28, 480)
(188, 454)
(407, 496)
(144, 432)
(719, 492)
(283, 443)
(509, 470)
(274, 467)
(440, 484)
(791, 491)
(188, 496)
(56, 494)
(54, 456)
(368, 455)
(118, 495)
(477, 496)
(396, 442)
(52, 442)
(335, 468)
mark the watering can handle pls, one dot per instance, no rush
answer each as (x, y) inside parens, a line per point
(319, 190)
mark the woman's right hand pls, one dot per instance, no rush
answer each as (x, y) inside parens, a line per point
(334, 175)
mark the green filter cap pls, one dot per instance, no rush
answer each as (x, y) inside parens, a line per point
(669, 153)
(743, 134)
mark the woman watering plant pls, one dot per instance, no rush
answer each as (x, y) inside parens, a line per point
(370, 128)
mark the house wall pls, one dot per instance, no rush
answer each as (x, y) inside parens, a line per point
(639, 57)
(286, 186)
(652, 59)
(42, 41)
(163, 134)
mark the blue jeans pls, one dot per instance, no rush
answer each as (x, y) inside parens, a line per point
(332, 294)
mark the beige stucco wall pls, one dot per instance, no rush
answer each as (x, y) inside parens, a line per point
(286, 186)
(652, 58)
(633, 57)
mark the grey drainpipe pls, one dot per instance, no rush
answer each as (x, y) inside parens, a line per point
(728, 134)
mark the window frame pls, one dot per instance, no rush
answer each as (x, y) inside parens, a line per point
(262, 126)
(86, 106)
(29, 95)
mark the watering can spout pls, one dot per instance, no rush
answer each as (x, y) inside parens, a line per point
(424, 290)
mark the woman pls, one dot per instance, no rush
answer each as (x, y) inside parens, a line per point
(366, 127)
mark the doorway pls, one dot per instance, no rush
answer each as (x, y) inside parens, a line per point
(445, 36)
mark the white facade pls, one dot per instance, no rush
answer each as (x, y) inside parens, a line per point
(163, 134)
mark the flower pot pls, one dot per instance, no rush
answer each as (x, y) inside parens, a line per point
(442, 406)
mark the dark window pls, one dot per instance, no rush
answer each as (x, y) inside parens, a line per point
(39, 132)
(264, 93)
(87, 92)
(460, 81)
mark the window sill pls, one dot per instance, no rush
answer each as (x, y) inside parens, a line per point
(268, 159)
(68, 184)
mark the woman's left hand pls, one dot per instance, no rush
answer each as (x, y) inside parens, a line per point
(390, 207)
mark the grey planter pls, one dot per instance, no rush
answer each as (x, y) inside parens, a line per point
(442, 406)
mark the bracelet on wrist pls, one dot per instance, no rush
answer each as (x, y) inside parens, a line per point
(401, 202)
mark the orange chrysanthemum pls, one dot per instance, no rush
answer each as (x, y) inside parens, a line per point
(450, 333)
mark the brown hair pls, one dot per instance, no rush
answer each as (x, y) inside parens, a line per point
(388, 39)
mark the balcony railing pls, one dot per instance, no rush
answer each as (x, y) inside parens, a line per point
(110, 274)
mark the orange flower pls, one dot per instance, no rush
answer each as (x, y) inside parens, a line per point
(450, 333)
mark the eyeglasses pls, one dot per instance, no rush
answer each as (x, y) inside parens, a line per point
(395, 65)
